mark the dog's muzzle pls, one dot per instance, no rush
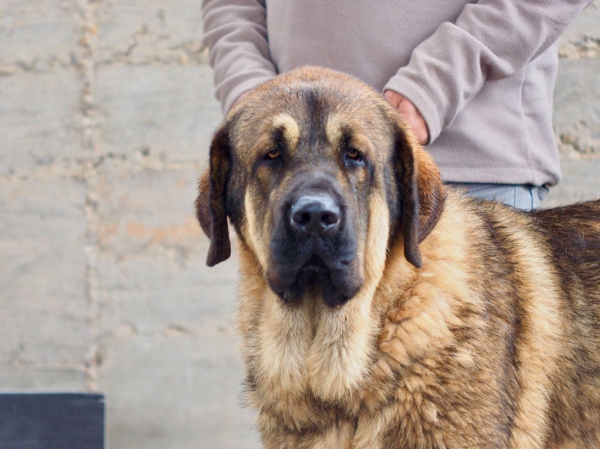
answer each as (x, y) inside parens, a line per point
(313, 245)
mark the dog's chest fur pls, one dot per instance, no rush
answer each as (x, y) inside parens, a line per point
(396, 377)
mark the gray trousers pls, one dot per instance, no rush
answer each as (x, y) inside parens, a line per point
(519, 196)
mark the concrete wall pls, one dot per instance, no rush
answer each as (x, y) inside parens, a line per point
(577, 110)
(106, 110)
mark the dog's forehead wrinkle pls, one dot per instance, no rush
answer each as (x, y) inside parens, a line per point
(313, 104)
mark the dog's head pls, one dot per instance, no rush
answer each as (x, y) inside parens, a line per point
(317, 174)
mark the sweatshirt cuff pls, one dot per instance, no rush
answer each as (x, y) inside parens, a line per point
(238, 90)
(422, 101)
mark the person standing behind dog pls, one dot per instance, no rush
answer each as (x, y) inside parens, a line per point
(474, 80)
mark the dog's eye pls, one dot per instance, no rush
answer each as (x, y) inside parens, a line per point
(271, 155)
(353, 154)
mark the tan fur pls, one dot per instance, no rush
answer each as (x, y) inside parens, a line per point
(255, 232)
(292, 130)
(480, 347)
(542, 343)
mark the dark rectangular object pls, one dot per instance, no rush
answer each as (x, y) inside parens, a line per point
(51, 421)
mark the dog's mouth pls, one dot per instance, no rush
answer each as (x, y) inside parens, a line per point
(334, 282)
(316, 266)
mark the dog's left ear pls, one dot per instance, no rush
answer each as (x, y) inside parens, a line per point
(210, 204)
(421, 190)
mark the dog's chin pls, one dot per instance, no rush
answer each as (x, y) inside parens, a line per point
(335, 285)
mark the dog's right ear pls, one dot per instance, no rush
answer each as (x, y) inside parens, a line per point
(203, 203)
(212, 191)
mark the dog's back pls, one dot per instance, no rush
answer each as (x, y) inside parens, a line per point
(573, 236)
(573, 233)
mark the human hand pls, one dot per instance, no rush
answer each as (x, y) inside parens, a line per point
(410, 114)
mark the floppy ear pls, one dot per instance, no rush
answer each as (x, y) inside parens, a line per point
(203, 203)
(421, 191)
(210, 204)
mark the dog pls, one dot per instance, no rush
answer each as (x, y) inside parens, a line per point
(379, 309)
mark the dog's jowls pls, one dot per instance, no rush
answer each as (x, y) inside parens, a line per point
(377, 310)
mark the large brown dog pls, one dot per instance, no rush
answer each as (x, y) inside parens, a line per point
(378, 311)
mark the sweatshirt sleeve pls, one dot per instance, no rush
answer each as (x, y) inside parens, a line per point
(491, 39)
(236, 33)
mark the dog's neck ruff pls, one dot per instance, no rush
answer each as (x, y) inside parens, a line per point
(311, 347)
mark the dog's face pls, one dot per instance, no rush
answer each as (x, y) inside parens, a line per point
(306, 167)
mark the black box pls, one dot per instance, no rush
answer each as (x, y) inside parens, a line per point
(51, 421)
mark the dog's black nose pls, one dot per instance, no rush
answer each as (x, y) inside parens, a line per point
(315, 214)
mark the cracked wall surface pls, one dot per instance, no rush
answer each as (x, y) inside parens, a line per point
(106, 112)
(577, 117)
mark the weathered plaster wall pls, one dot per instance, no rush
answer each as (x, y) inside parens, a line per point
(106, 110)
(577, 110)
